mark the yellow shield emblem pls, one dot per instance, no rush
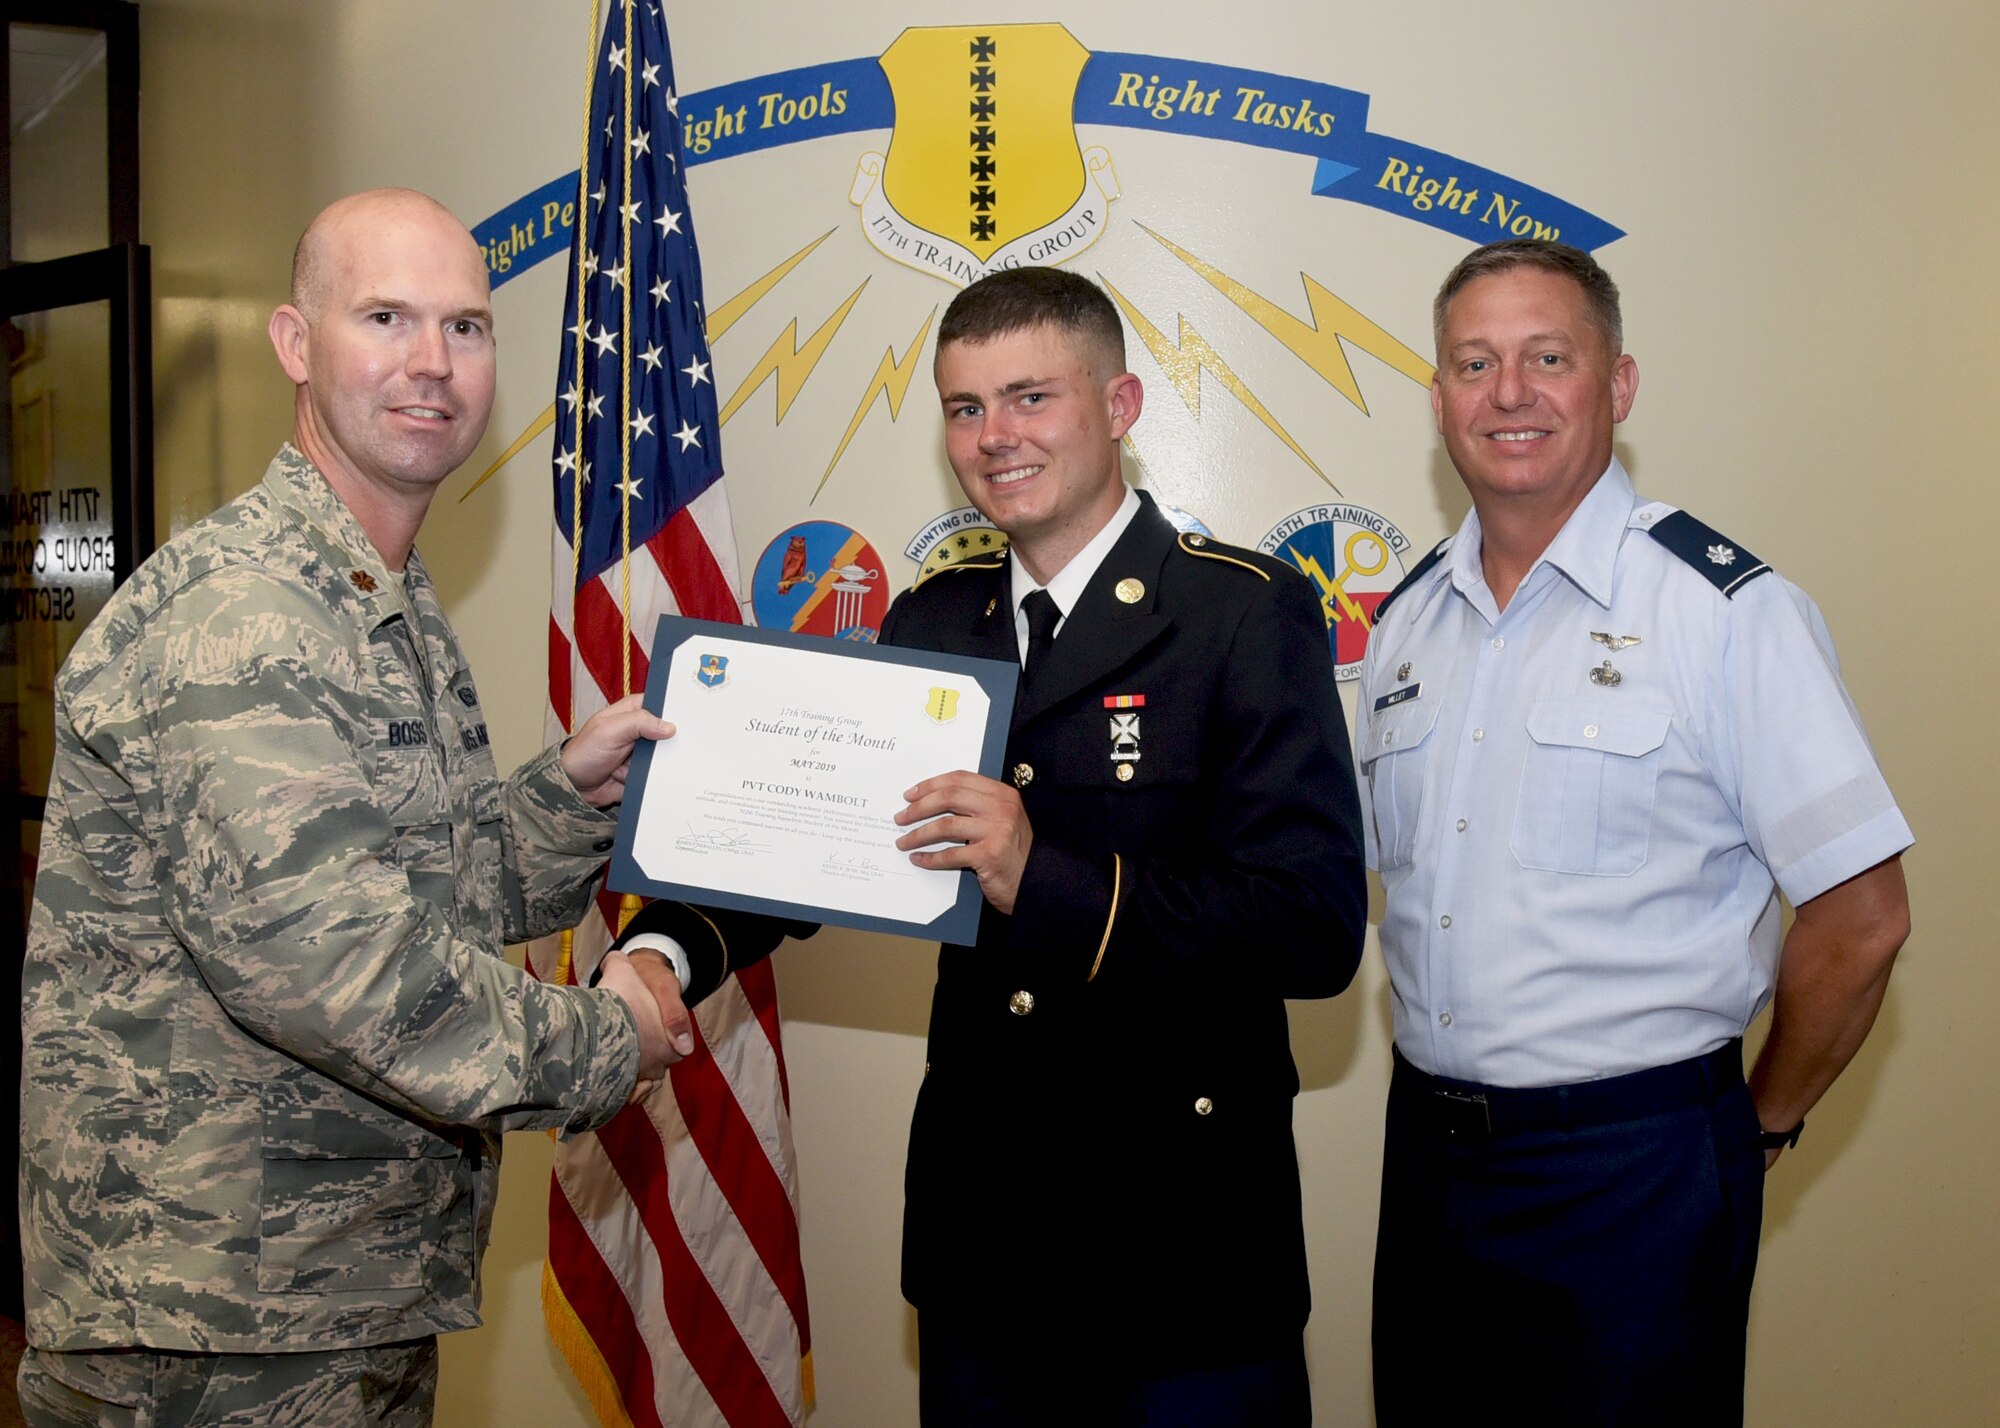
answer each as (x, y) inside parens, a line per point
(984, 149)
(984, 169)
(942, 705)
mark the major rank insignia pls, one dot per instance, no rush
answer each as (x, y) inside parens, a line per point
(714, 670)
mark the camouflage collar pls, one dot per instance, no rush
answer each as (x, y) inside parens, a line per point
(298, 485)
(355, 568)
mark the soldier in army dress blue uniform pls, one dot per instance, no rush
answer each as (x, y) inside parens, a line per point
(1102, 1205)
(1102, 1211)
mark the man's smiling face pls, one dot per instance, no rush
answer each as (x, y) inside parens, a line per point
(399, 352)
(1032, 431)
(1527, 390)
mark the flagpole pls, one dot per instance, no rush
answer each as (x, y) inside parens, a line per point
(566, 958)
(625, 367)
(674, 1288)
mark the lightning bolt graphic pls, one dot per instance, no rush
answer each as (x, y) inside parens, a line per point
(719, 322)
(1184, 362)
(791, 364)
(892, 380)
(724, 317)
(1329, 592)
(535, 428)
(1316, 343)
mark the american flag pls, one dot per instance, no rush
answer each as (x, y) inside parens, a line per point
(673, 1284)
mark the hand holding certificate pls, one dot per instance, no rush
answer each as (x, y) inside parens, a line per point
(792, 754)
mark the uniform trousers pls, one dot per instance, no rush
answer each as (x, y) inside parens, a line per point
(384, 1386)
(1568, 1255)
(977, 1376)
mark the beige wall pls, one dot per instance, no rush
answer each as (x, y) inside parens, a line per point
(1808, 193)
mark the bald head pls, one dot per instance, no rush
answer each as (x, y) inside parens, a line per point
(358, 216)
(389, 341)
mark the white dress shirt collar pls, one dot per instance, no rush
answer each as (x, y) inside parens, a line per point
(1585, 549)
(1067, 587)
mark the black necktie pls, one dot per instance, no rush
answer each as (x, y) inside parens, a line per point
(1043, 616)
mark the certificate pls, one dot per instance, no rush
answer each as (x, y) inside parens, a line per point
(779, 789)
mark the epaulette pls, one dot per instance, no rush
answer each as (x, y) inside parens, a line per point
(998, 559)
(1717, 559)
(1195, 543)
(1417, 572)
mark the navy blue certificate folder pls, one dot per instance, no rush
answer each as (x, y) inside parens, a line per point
(738, 824)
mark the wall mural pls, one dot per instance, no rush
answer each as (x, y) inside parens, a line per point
(975, 160)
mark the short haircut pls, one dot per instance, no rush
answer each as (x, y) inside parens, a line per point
(1572, 263)
(1017, 298)
(309, 273)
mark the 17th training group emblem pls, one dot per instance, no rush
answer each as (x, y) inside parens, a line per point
(984, 170)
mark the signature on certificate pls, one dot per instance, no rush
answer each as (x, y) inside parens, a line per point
(720, 840)
(866, 867)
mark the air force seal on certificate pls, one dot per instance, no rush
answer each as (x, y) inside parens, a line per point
(941, 705)
(1354, 558)
(713, 670)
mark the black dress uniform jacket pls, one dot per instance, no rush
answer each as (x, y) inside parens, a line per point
(1102, 1145)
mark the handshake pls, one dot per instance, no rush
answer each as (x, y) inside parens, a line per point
(649, 983)
(672, 955)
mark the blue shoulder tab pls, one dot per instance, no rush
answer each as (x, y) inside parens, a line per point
(1417, 572)
(1720, 561)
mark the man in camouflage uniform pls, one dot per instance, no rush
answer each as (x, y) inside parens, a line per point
(270, 1039)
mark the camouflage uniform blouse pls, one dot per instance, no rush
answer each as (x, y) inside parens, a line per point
(269, 1036)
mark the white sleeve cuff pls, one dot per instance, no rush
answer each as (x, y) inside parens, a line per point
(667, 948)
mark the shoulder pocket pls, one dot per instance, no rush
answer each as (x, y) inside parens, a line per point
(1586, 798)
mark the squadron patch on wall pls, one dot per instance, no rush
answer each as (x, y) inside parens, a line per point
(954, 536)
(970, 150)
(1185, 523)
(1354, 557)
(820, 578)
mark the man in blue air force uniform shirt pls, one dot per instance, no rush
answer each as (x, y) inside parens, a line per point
(1596, 738)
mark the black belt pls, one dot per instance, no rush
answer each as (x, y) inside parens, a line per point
(1464, 1108)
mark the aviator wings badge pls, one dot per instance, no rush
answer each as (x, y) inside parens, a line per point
(1614, 643)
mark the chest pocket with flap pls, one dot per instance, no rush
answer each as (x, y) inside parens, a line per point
(1586, 798)
(1396, 758)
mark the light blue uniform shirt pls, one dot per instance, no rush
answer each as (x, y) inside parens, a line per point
(1580, 874)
